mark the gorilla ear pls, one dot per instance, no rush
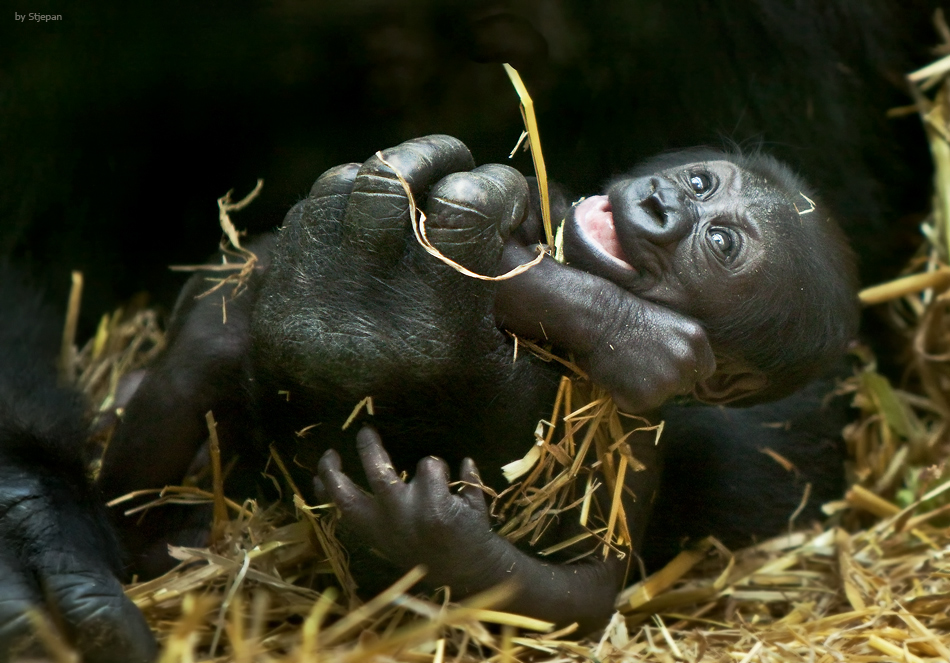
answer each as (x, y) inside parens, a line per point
(730, 383)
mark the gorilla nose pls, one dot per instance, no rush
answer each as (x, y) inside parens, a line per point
(666, 215)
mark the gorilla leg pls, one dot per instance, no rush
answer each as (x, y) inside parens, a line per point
(202, 369)
(721, 475)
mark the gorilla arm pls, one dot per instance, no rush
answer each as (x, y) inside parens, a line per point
(641, 352)
(57, 553)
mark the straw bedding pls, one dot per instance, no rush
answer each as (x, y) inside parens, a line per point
(873, 584)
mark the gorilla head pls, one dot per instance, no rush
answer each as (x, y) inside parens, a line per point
(737, 243)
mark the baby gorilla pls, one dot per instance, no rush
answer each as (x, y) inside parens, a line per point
(346, 304)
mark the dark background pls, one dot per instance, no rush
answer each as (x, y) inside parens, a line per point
(122, 123)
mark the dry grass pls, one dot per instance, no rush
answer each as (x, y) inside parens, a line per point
(874, 585)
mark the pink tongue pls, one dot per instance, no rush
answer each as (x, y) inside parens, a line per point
(597, 221)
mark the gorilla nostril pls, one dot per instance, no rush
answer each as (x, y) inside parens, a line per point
(655, 207)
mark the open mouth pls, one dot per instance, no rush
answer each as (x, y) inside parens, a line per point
(594, 221)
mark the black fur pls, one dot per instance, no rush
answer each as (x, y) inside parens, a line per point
(718, 478)
(817, 274)
(57, 549)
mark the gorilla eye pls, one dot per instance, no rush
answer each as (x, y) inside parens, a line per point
(700, 183)
(721, 240)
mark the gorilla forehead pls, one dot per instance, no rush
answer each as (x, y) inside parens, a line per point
(760, 165)
(672, 159)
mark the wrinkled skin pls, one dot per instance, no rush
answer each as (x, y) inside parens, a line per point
(56, 561)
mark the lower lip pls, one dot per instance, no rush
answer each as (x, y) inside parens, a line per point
(594, 218)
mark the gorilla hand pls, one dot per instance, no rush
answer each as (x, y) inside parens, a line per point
(641, 352)
(352, 305)
(55, 550)
(422, 522)
(419, 522)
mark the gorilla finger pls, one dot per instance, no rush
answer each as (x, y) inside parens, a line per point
(336, 181)
(355, 505)
(323, 496)
(329, 461)
(377, 465)
(331, 192)
(17, 598)
(432, 479)
(531, 231)
(470, 215)
(470, 492)
(377, 215)
(421, 162)
(315, 221)
(97, 615)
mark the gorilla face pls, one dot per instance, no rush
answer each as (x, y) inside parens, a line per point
(693, 237)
